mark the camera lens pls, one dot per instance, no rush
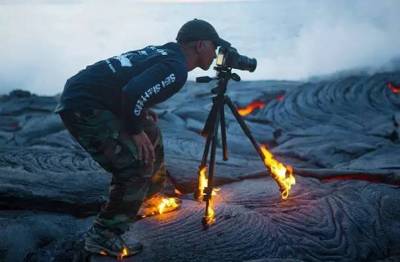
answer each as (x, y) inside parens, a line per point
(237, 61)
(246, 63)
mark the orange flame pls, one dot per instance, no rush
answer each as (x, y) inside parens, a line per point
(124, 253)
(251, 107)
(394, 89)
(158, 205)
(209, 219)
(166, 203)
(283, 175)
(202, 184)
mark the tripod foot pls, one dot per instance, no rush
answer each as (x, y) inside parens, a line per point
(204, 222)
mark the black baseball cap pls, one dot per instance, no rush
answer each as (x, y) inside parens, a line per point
(198, 29)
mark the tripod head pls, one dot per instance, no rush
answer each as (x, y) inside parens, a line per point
(224, 74)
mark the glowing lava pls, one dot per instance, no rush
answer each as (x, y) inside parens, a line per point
(251, 107)
(393, 88)
(283, 175)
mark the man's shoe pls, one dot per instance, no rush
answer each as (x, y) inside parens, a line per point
(159, 204)
(107, 243)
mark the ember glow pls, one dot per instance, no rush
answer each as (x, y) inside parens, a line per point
(283, 175)
(177, 192)
(251, 107)
(393, 88)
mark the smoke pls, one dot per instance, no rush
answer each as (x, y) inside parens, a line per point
(339, 36)
(46, 42)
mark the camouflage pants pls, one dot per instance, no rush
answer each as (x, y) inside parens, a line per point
(101, 134)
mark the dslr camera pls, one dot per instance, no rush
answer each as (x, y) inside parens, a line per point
(228, 57)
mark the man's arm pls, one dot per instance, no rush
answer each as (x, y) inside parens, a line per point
(152, 86)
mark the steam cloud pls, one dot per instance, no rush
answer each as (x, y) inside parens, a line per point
(46, 42)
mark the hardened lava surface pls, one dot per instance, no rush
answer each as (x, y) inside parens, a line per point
(341, 136)
(335, 221)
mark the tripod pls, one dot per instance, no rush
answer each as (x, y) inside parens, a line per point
(216, 118)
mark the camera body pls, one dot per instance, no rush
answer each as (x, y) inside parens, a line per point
(229, 57)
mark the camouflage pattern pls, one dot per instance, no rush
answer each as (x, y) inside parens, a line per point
(101, 134)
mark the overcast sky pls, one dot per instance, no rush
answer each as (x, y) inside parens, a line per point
(43, 43)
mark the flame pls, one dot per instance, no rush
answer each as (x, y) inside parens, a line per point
(158, 205)
(283, 175)
(209, 219)
(202, 184)
(166, 202)
(251, 107)
(394, 89)
(124, 253)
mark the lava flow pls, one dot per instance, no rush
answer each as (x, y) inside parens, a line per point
(393, 88)
(244, 111)
(283, 175)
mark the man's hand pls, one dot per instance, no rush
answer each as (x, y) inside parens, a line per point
(145, 148)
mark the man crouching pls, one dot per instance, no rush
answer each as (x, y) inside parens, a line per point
(105, 107)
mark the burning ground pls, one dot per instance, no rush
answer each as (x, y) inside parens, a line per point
(340, 136)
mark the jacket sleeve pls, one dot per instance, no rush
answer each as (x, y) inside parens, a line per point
(152, 86)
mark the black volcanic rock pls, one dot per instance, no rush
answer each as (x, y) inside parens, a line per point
(340, 135)
(319, 221)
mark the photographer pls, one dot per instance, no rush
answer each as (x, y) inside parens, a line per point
(105, 108)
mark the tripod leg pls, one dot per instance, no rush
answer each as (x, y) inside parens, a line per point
(283, 175)
(207, 129)
(208, 132)
(198, 194)
(243, 125)
(208, 218)
(223, 135)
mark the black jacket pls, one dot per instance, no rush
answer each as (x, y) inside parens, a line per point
(128, 83)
